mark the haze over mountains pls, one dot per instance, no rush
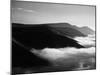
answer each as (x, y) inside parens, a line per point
(85, 29)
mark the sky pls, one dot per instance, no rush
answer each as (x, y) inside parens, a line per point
(29, 12)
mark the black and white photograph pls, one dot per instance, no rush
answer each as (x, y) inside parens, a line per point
(52, 37)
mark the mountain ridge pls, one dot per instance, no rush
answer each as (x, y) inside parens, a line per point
(64, 28)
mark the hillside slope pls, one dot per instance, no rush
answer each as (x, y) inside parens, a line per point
(41, 36)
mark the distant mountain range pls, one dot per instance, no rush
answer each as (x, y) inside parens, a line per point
(72, 29)
(85, 30)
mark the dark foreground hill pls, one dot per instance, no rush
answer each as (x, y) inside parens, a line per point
(26, 37)
(41, 36)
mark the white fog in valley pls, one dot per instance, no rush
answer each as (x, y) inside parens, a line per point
(70, 55)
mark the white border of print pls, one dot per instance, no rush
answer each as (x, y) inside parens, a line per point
(5, 29)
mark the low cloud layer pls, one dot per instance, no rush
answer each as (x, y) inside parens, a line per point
(70, 55)
(89, 40)
(54, 54)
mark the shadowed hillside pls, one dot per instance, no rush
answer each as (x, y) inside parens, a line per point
(41, 36)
